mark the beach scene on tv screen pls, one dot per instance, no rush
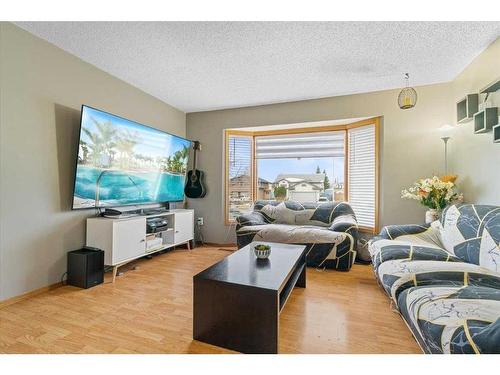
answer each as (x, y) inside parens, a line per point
(121, 162)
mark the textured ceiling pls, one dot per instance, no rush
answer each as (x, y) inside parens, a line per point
(198, 66)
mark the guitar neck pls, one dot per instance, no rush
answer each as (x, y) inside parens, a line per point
(194, 160)
(196, 148)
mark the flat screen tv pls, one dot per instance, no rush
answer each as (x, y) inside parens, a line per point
(121, 162)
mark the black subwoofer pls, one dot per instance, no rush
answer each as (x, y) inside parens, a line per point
(86, 267)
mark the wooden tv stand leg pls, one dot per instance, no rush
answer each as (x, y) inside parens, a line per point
(189, 245)
(115, 270)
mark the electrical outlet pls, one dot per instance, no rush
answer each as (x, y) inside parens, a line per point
(199, 221)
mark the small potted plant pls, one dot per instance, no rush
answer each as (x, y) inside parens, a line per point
(435, 193)
(262, 251)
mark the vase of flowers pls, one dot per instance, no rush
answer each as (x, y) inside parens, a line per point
(435, 193)
(431, 215)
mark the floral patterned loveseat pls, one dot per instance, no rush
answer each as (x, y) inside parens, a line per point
(329, 230)
(444, 279)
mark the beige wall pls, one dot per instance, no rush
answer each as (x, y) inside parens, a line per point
(474, 157)
(411, 147)
(41, 91)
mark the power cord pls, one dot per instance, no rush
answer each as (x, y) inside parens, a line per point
(227, 236)
(199, 233)
(62, 279)
(229, 231)
(362, 244)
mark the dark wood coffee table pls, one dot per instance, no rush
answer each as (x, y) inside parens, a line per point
(237, 301)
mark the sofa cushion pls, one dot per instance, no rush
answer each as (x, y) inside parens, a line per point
(427, 237)
(325, 248)
(398, 275)
(295, 213)
(284, 213)
(386, 250)
(472, 233)
(450, 319)
(251, 218)
(286, 233)
(423, 245)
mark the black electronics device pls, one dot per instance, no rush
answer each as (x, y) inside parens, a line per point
(156, 224)
(112, 212)
(156, 210)
(118, 213)
(85, 267)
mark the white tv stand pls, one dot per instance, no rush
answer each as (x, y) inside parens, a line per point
(125, 239)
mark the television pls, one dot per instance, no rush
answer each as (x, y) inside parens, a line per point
(121, 162)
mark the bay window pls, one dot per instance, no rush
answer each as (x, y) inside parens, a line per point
(333, 163)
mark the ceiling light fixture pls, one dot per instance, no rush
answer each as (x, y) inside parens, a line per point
(407, 98)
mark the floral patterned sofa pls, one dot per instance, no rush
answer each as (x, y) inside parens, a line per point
(444, 279)
(329, 230)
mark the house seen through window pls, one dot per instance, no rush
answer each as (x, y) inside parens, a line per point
(301, 179)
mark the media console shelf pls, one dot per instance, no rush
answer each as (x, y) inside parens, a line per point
(126, 239)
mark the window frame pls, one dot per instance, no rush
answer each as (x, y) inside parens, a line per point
(254, 175)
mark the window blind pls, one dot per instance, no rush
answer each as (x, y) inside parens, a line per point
(307, 145)
(361, 174)
(239, 161)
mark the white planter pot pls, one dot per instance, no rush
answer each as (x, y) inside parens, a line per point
(262, 254)
(431, 215)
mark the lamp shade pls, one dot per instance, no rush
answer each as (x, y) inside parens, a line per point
(446, 130)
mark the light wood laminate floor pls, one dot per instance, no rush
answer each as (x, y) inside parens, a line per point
(149, 310)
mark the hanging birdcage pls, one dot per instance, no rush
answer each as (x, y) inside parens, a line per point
(407, 98)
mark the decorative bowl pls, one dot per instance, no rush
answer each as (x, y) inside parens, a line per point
(262, 251)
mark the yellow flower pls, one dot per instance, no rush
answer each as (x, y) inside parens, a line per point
(449, 178)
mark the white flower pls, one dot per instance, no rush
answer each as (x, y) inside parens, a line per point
(432, 192)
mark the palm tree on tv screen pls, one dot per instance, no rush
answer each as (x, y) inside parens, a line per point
(95, 145)
(107, 134)
(125, 146)
(101, 144)
(179, 160)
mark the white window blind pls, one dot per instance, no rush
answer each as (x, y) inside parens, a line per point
(308, 145)
(239, 196)
(361, 174)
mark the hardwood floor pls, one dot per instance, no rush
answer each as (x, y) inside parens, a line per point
(149, 310)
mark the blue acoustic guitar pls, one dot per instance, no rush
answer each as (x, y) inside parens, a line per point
(194, 185)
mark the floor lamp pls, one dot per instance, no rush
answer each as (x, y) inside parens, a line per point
(445, 136)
